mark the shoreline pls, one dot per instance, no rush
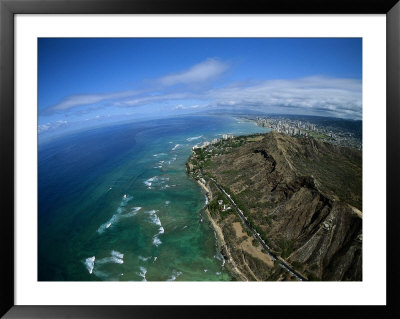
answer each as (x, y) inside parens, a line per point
(232, 267)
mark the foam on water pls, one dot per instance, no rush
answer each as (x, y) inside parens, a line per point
(101, 274)
(150, 181)
(107, 260)
(108, 224)
(125, 200)
(175, 147)
(156, 181)
(156, 241)
(154, 217)
(133, 212)
(167, 202)
(189, 139)
(142, 273)
(117, 254)
(144, 258)
(116, 217)
(156, 220)
(89, 263)
(159, 154)
(175, 274)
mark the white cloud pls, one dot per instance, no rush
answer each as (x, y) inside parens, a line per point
(50, 126)
(319, 95)
(203, 72)
(199, 73)
(88, 99)
(312, 95)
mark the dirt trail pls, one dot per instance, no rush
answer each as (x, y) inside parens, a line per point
(248, 246)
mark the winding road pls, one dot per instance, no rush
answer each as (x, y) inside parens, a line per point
(256, 235)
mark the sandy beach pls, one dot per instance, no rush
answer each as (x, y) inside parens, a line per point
(220, 237)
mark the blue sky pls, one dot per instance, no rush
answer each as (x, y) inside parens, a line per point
(87, 82)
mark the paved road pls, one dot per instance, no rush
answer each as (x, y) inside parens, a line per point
(256, 235)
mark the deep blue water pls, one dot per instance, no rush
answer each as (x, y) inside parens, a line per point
(115, 203)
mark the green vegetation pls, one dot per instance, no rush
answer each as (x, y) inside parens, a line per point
(216, 209)
(320, 136)
(313, 277)
(273, 178)
(255, 242)
(298, 266)
(286, 246)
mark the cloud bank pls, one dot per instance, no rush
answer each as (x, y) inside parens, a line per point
(316, 95)
(199, 73)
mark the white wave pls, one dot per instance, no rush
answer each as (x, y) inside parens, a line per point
(206, 199)
(184, 227)
(106, 225)
(107, 260)
(117, 254)
(175, 274)
(142, 273)
(115, 218)
(205, 270)
(156, 241)
(175, 147)
(218, 273)
(159, 154)
(144, 258)
(156, 220)
(133, 212)
(155, 259)
(125, 199)
(194, 138)
(89, 263)
(150, 181)
(101, 274)
(154, 217)
(167, 202)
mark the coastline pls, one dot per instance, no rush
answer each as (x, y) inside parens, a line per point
(232, 267)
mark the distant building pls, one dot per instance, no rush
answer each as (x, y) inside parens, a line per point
(227, 136)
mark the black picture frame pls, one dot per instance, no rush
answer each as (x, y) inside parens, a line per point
(8, 8)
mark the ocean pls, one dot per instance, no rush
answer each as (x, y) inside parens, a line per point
(115, 203)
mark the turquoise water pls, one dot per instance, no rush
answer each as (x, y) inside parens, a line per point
(116, 204)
